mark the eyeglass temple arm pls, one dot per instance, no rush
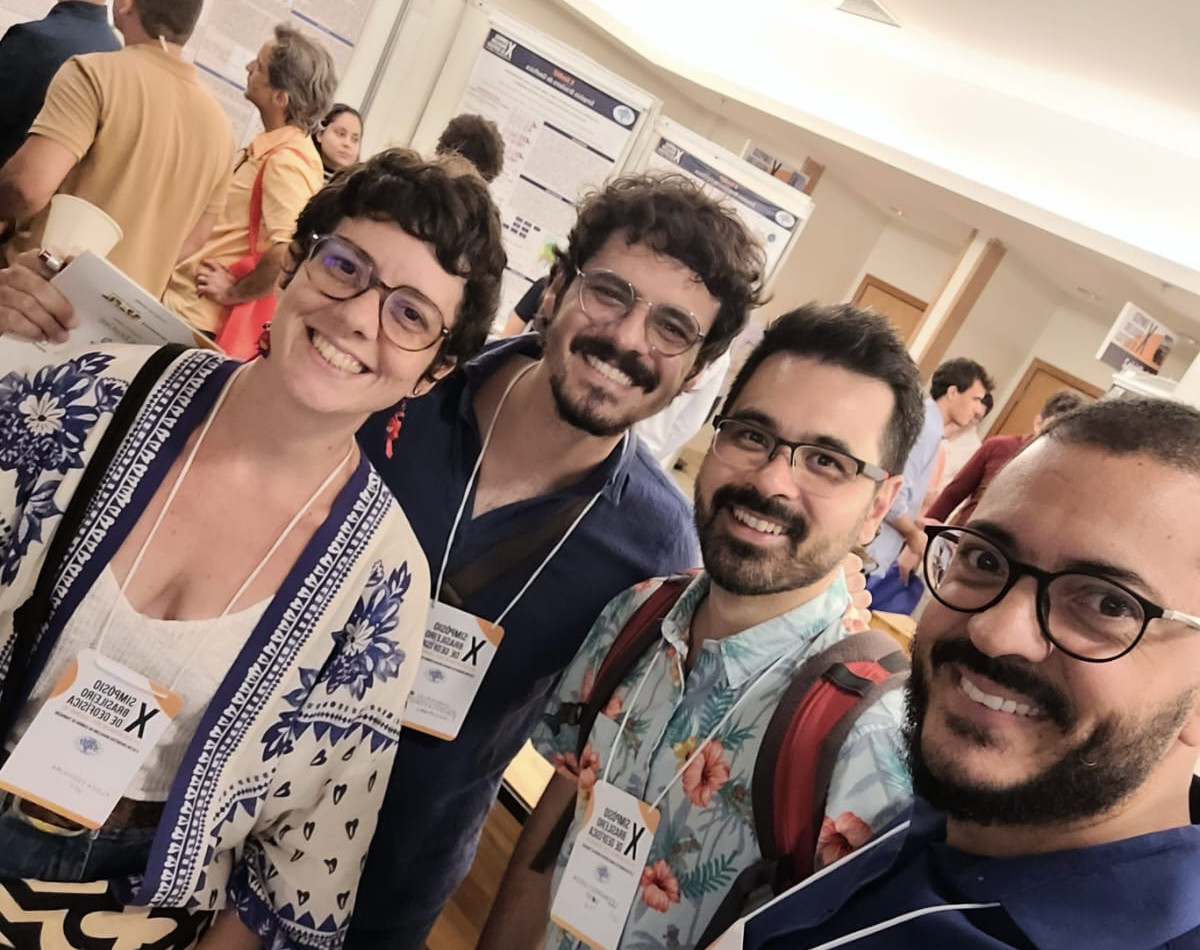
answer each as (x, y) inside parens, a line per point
(1189, 619)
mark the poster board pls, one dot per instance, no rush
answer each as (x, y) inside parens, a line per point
(568, 125)
(1136, 340)
(770, 210)
(230, 33)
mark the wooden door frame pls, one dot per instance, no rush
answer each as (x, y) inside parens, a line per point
(1036, 365)
(870, 280)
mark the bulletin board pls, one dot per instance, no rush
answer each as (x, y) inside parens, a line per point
(568, 125)
(770, 210)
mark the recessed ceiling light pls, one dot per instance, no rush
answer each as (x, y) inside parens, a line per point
(869, 9)
(898, 212)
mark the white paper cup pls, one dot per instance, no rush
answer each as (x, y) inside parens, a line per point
(74, 226)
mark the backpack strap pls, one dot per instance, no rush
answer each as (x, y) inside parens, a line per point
(795, 762)
(640, 633)
(30, 618)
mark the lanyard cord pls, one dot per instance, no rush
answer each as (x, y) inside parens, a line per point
(183, 472)
(700, 748)
(487, 440)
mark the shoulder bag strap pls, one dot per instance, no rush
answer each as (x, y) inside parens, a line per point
(31, 616)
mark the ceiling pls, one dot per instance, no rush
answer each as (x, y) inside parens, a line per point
(1099, 82)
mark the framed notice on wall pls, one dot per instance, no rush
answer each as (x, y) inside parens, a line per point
(568, 126)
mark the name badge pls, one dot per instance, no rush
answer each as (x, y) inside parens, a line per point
(458, 651)
(604, 871)
(89, 739)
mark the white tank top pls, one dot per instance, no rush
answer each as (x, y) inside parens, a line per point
(156, 649)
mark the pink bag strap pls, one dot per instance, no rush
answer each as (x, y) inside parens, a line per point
(256, 195)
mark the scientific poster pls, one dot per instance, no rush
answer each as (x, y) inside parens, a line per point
(771, 211)
(568, 126)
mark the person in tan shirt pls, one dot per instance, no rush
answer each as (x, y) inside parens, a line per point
(135, 133)
(291, 82)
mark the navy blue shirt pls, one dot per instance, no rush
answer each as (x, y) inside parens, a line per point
(30, 55)
(1139, 894)
(440, 792)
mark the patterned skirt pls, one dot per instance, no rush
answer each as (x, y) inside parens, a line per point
(39, 915)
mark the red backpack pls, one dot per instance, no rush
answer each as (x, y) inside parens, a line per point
(795, 759)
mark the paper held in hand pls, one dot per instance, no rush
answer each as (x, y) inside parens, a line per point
(110, 308)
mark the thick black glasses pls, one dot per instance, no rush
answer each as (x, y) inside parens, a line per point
(815, 467)
(606, 297)
(341, 270)
(1085, 615)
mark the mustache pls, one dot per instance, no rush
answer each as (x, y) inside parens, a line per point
(743, 496)
(626, 361)
(1007, 672)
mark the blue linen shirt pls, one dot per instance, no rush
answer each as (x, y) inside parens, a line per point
(440, 792)
(706, 835)
(918, 471)
(1142, 893)
(30, 55)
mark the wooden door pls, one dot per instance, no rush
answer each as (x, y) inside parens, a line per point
(1040, 382)
(903, 310)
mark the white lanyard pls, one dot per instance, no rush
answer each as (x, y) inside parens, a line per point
(700, 748)
(187, 465)
(487, 440)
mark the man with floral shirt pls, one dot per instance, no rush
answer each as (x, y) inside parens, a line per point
(825, 407)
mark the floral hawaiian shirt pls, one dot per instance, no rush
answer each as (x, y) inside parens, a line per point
(705, 835)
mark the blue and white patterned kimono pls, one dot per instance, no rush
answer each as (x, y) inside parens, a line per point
(276, 799)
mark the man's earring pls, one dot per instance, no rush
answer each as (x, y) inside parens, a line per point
(264, 341)
(395, 424)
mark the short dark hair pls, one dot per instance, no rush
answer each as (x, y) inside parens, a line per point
(670, 215)
(339, 109)
(960, 373)
(477, 140)
(857, 340)
(989, 403)
(1062, 401)
(173, 20)
(1165, 430)
(442, 201)
(303, 69)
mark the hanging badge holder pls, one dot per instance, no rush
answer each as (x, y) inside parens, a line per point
(89, 739)
(602, 876)
(458, 650)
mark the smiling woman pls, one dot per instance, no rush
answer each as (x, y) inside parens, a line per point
(268, 638)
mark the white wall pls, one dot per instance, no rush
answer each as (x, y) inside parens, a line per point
(908, 259)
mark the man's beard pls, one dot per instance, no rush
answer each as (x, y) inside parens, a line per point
(749, 571)
(587, 413)
(1090, 778)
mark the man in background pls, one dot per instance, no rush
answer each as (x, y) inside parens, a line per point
(477, 140)
(955, 395)
(968, 486)
(31, 53)
(291, 82)
(136, 134)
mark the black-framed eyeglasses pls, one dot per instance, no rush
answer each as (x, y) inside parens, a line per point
(748, 445)
(1086, 615)
(342, 270)
(607, 297)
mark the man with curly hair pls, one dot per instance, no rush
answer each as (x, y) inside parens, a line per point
(655, 282)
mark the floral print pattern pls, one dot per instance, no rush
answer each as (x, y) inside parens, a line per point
(45, 420)
(840, 836)
(366, 652)
(705, 836)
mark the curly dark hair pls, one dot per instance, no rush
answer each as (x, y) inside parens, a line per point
(442, 201)
(670, 215)
(477, 140)
(960, 373)
(860, 341)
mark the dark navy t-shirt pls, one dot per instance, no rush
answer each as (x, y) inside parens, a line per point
(440, 792)
(30, 55)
